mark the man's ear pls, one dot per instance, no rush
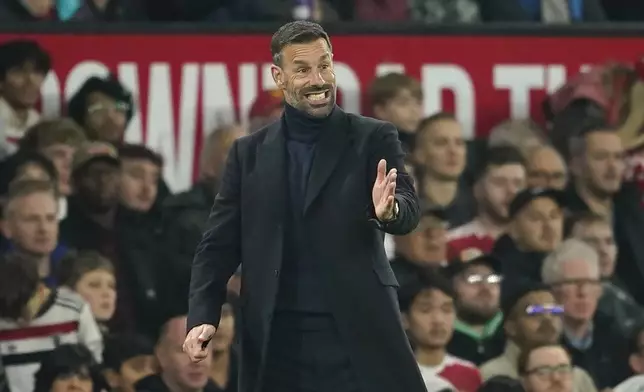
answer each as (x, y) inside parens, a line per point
(278, 76)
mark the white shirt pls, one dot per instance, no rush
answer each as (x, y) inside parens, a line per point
(633, 384)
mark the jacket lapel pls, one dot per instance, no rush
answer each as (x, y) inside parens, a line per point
(271, 170)
(328, 151)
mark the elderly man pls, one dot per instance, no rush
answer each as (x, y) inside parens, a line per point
(591, 339)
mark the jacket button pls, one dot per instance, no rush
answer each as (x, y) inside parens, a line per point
(277, 273)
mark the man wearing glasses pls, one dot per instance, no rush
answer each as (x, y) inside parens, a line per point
(546, 368)
(592, 339)
(478, 335)
(532, 318)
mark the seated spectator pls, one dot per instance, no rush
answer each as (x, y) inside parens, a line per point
(141, 170)
(423, 249)
(104, 108)
(69, 367)
(427, 306)
(597, 186)
(478, 333)
(92, 276)
(445, 11)
(102, 11)
(439, 154)
(127, 359)
(536, 228)
(34, 319)
(549, 11)
(57, 140)
(266, 109)
(634, 383)
(546, 168)
(177, 371)
(546, 368)
(185, 214)
(398, 99)
(25, 166)
(532, 318)
(23, 67)
(96, 222)
(30, 225)
(500, 178)
(523, 135)
(615, 302)
(594, 344)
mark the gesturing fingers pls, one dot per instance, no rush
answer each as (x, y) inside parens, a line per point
(382, 170)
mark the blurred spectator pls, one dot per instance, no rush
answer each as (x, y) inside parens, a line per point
(445, 11)
(624, 11)
(597, 168)
(615, 301)
(546, 168)
(524, 135)
(635, 361)
(223, 369)
(379, 10)
(127, 360)
(439, 153)
(23, 67)
(266, 109)
(500, 177)
(28, 10)
(594, 344)
(140, 175)
(100, 10)
(57, 140)
(103, 107)
(92, 276)
(35, 319)
(185, 215)
(30, 225)
(536, 228)
(177, 371)
(422, 249)
(97, 222)
(545, 11)
(533, 318)
(546, 368)
(398, 99)
(478, 333)
(25, 165)
(427, 305)
(69, 367)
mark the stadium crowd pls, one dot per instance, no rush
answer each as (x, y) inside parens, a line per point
(524, 274)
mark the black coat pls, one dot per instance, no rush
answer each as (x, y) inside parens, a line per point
(246, 225)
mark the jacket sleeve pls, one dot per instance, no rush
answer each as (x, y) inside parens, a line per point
(89, 334)
(219, 252)
(385, 145)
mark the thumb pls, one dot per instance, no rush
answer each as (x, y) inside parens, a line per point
(205, 335)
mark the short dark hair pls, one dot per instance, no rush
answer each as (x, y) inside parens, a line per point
(425, 280)
(13, 166)
(524, 356)
(64, 360)
(19, 281)
(74, 265)
(139, 151)
(298, 32)
(500, 156)
(384, 88)
(17, 53)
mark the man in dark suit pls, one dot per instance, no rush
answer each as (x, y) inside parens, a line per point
(304, 204)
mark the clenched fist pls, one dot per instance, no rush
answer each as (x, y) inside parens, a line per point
(196, 343)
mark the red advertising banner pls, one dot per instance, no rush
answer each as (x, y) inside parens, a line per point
(187, 84)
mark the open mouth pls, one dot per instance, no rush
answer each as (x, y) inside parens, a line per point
(318, 97)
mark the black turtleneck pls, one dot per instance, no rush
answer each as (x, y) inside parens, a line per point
(300, 289)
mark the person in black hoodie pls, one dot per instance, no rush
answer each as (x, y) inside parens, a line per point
(536, 228)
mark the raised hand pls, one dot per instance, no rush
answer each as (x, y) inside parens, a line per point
(196, 343)
(384, 190)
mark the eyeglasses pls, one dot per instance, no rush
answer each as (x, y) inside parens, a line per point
(103, 108)
(535, 310)
(487, 279)
(547, 371)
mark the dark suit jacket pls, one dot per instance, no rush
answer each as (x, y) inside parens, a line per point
(246, 225)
